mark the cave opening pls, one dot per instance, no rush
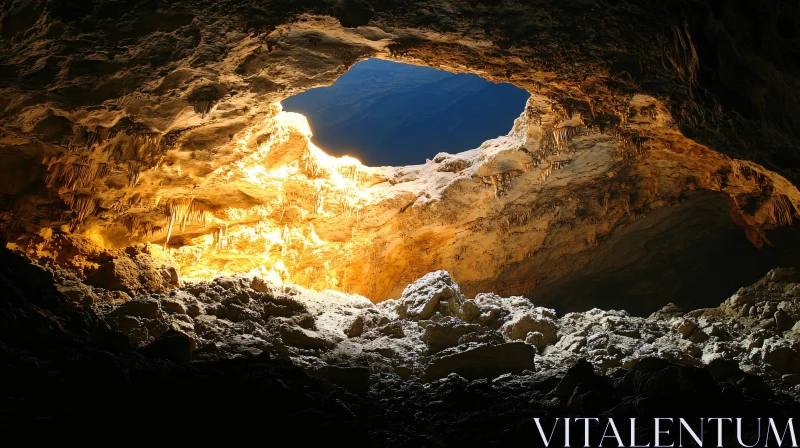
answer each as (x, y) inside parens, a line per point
(388, 113)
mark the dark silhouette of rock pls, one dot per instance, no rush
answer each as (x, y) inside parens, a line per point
(487, 361)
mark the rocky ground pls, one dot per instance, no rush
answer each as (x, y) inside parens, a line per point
(432, 368)
(432, 330)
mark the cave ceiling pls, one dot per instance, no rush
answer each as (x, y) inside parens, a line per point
(124, 122)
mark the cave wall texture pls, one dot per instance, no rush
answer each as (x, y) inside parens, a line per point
(123, 122)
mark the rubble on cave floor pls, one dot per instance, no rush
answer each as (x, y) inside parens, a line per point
(451, 372)
(433, 330)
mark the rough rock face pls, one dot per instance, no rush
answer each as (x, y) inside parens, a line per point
(653, 133)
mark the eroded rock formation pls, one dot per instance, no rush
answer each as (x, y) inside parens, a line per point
(200, 258)
(132, 122)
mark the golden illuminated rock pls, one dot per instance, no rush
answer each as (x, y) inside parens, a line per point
(596, 179)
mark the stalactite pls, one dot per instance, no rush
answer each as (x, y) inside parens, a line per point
(319, 202)
(99, 137)
(204, 108)
(312, 164)
(82, 173)
(82, 206)
(563, 135)
(680, 52)
(742, 170)
(555, 142)
(138, 228)
(176, 209)
(781, 209)
(629, 145)
(500, 182)
(131, 222)
(169, 230)
(134, 171)
(149, 152)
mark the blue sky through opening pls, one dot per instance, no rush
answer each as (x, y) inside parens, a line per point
(389, 113)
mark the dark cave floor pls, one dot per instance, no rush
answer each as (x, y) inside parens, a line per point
(68, 376)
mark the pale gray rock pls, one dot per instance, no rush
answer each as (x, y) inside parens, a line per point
(447, 333)
(423, 298)
(519, 327)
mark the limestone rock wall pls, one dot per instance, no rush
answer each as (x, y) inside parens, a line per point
(131, 122)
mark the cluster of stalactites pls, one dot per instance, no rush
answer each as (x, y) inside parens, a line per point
(204, 108)
(629, 145)
(312, 165)
(81, 207)
(500, 182)
(185, 211)
(138, 227)
(354, 174)
(745, 172)
(553, 165)
(95, 138)
(221, 237)
(75, 177)
(555, 142)
(781, 209)
(66, 176)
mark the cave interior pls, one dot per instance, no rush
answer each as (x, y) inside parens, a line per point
(620, 240)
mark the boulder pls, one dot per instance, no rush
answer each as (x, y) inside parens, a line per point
(667, 312)
(685, 327)
(791, 308)
(262, 286)
(469, 311)
(582, 372)
(355, 328)
(117, 274)
(535, 339)
(488, 361)
(173, 306)
(782, 355)
(301, 338)
(173, 345)
(490, 337)
(572, 343)
(148, 309)
(782, 321)
(78, 293)
(392, 330)
(446, 333)
(132, 327)
(782, 275)
(135, 271)
(422, 299)
(195, 309)
(517, 329)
